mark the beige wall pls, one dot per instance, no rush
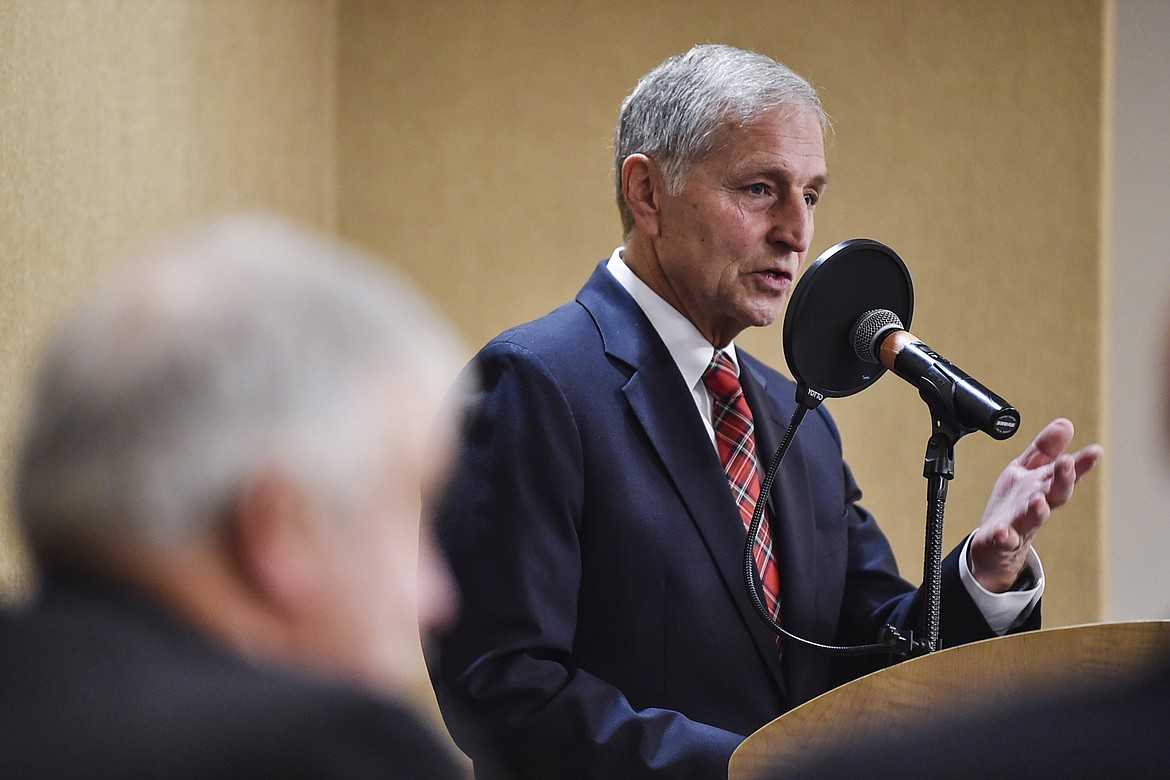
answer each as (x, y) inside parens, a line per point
(119, 120)
(468, 142)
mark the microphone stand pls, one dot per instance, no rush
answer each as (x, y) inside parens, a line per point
(939, 470)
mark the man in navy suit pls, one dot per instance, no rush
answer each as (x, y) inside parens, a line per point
(219, 480)
(590, 525)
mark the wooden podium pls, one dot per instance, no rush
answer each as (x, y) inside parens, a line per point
(1003, 671)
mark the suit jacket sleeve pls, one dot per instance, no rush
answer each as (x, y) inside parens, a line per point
(505, 674)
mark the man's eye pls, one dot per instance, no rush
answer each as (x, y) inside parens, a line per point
(757, 189)
(811, 198)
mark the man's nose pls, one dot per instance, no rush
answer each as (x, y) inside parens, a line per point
(792, 224)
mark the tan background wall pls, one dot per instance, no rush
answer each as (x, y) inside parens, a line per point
(468, 142)
(122, 120)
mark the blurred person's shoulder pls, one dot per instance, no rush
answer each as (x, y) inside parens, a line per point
(96, 680)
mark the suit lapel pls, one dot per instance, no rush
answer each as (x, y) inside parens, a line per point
(666, 412)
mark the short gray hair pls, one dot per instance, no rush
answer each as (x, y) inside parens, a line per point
(675, 111)
(247, 344)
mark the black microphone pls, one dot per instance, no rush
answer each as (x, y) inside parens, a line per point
(879, 337)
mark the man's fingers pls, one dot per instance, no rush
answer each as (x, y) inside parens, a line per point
(1048, 444)
(1067, 471)
(1037, 513)
(1007, 538)
(1087, 458)
(1064, 476)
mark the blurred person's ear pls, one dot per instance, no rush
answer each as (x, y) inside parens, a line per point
(277, 543)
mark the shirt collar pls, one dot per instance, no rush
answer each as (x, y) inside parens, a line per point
(690, 350)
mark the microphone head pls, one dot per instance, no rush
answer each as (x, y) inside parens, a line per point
(871, 330)
(848, 281)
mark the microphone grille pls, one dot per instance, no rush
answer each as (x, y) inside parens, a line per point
(870, 330)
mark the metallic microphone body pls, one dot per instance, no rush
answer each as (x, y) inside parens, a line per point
(878, 337)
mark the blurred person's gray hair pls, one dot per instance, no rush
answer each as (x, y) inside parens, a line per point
(246, 345)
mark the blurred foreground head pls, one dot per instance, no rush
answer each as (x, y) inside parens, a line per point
(239, 424)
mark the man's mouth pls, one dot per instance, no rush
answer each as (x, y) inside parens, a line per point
(776, 281)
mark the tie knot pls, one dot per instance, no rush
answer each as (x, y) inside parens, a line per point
(720, 377)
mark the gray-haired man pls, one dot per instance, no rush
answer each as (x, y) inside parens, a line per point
(606, 632)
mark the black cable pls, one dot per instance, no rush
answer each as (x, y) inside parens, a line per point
(891, 643)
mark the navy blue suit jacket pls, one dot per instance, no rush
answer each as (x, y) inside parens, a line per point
(605, 628)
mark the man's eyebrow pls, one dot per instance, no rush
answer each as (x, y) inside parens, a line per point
(820, 181)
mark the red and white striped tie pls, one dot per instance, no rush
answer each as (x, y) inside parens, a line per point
(734, 437)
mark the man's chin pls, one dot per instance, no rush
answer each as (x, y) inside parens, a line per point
(763, 316)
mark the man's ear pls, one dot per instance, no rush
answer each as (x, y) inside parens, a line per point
(276, 549)
(641, 188)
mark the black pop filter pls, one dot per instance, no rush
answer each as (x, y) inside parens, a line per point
(848, 280)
